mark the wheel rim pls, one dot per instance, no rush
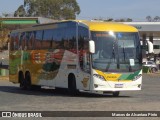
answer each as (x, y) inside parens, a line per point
(153, 70)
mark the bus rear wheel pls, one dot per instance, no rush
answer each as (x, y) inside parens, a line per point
(116, 94)
(22, 81)
(153, 70)
(28, 81)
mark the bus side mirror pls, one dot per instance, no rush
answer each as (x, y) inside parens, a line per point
(91, 46)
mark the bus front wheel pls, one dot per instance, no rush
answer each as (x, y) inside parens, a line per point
(116, 94)
(72, 85)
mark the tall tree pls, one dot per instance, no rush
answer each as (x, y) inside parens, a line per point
(129, 20)
(20, 12)
(56, 9)
(157, 18)
(149, 18)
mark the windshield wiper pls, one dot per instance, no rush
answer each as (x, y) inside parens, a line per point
(113, 53)
(124, 53)
(113, 57)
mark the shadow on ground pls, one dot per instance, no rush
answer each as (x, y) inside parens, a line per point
(51, 92)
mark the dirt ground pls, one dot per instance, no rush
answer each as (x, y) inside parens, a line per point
(4, 77)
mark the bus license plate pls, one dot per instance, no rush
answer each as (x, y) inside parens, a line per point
(118, 85)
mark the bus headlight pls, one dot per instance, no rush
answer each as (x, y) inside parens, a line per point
(137, 77)
(99, 76)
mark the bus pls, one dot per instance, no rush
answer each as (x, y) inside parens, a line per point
(79, 55)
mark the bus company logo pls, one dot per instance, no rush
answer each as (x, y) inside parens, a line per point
(111, 77)
(20, 114)
(6, 114)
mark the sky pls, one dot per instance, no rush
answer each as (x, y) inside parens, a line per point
(91, 9)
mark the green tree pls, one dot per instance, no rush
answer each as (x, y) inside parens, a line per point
(120, 20)
(157, 18)
(56, 9)
(109, 20)
(129, 20)
(20, 12)
(149, 18)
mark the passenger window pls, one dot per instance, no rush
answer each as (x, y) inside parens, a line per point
(47, 39)
(22, 41)
(38, 39)
(83, 41)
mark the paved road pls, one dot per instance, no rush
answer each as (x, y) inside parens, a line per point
(148, 99)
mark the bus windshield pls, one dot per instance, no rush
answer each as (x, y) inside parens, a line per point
(116, 52)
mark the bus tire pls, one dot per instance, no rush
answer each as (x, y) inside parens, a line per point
(153, 70)
(21, 81)
(116, 94)
(28, 81)
(72, 85)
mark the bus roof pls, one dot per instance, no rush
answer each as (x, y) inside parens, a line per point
(93, 26)
(109, 26)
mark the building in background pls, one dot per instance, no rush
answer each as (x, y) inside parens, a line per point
(11, 23)
(149, 31)
(24, 20)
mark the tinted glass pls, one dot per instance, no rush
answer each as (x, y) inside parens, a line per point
(83, 44)
(117, 52)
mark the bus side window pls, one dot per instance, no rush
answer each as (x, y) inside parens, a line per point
(16, 41)
(38, 39)
(30, 40)
(70, 39)
(27, 40)
(22, 41)
(83, 41)
(47, 39)
(58, 38)
(12, 37)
